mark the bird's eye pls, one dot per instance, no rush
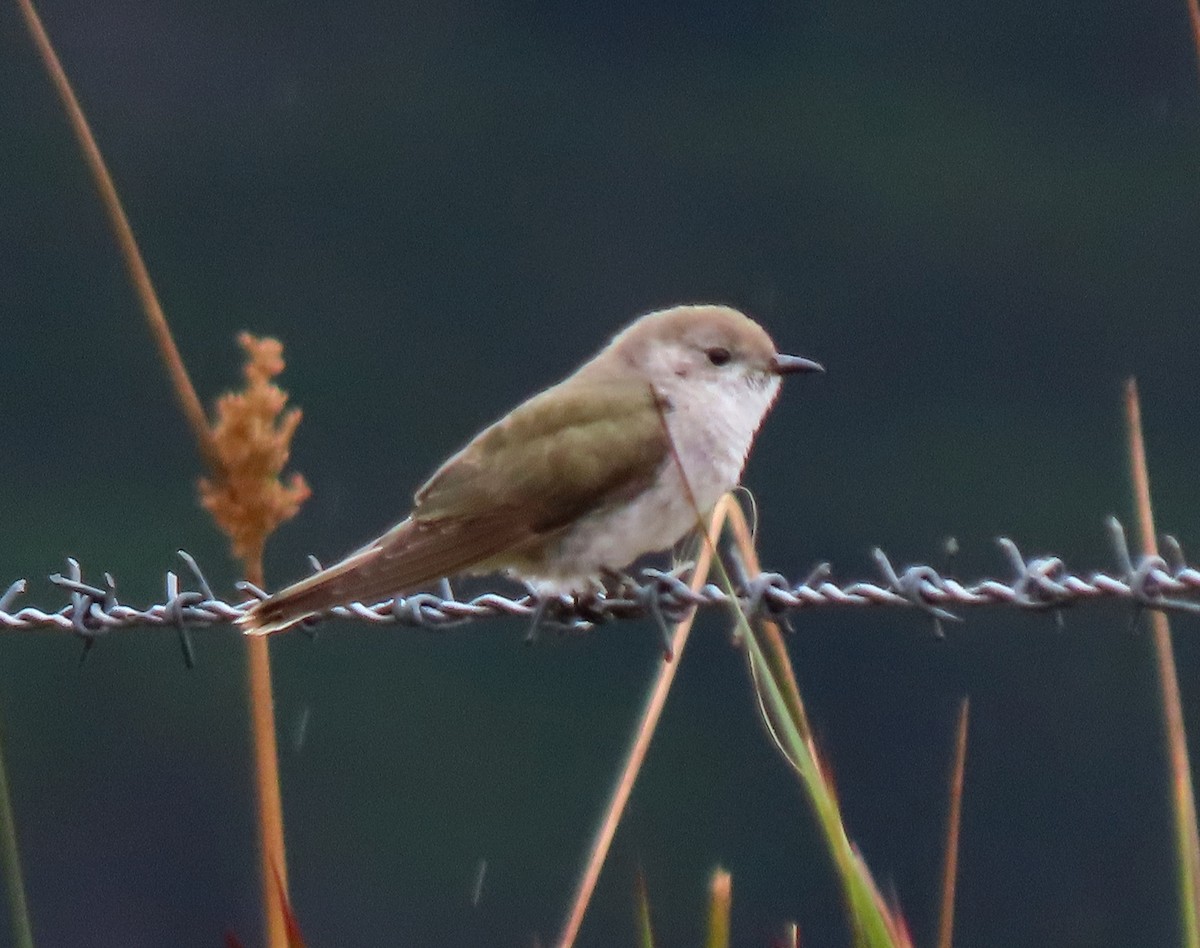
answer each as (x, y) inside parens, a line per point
(718, 355)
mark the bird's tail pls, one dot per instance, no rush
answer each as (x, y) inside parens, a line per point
(361, 576)
(409, 555)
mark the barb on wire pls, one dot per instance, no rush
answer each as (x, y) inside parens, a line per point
(1041, 583)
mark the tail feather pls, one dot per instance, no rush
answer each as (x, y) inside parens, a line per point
(409, 555)
(334, 586)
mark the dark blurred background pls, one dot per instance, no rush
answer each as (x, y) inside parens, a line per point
(980, 216)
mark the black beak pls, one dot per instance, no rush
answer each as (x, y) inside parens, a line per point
(786, 364)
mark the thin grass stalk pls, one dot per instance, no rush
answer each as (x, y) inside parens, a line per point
(1194, 17)
(273, 852)
(868, 915)
(869, 925)
(295, 937)
(1183, 801)
(14, 879)
(953, 826)
(774, 645)
(645, 930)
(647, 723)
(720, 909)
(270, 808)
(139, 276)
(872, 928)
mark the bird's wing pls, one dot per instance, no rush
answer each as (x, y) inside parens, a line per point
(560, 455)
(573, 448)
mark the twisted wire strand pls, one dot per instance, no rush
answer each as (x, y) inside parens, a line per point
(1041, 584)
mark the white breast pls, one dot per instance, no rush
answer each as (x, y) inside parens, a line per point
(712, 426)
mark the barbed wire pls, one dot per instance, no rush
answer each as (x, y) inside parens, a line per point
(1039, 584)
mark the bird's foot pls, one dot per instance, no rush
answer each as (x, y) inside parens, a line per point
(562, 613)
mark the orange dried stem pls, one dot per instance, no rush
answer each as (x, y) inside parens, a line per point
(1182, 795)
(651, 712)
(247, 527)
(777, 654)
(953, 825)
(193, 411)
(1194, 16)
(295, 937)
(252, 436)
(273, 854)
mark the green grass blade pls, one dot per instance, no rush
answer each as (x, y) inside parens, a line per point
(871, 926)
(645, 932)
(720, 907)
(14, 882)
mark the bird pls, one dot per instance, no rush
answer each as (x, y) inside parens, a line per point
(616, 461)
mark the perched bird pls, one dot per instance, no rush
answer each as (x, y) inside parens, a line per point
(581, 479)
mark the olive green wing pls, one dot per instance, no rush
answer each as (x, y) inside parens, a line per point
(574, 448)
